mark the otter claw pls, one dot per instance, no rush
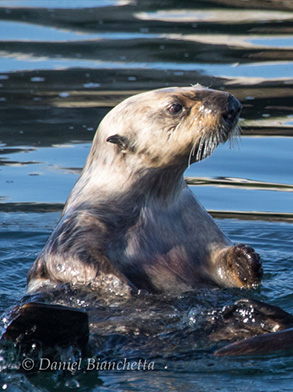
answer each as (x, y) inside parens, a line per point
(240, 266)
(246, 264)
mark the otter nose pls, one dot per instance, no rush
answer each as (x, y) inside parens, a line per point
(222, 103)
(233, 109)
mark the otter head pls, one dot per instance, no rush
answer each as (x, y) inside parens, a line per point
(148, 140)
(170, 127)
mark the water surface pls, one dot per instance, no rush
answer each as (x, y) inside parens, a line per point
(63, 65)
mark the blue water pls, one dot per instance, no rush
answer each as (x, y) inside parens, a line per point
(63, 65)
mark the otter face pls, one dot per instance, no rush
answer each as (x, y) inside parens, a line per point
(173, 126)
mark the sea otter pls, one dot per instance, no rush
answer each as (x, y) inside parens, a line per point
(132, 226)
(131, 222)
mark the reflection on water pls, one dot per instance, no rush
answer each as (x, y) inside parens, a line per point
(225, 16)
(63, 66)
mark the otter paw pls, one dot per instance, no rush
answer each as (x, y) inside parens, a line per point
(245, 264)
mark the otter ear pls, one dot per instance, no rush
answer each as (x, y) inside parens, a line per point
(121, 141)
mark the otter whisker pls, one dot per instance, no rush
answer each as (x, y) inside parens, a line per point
(192, 151)
(234, 136)
(207, 146)
(201, 147)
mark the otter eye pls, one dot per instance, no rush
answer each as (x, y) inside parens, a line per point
(175, 108)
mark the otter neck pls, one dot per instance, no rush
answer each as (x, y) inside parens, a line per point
(132, 185)
(164, 185)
